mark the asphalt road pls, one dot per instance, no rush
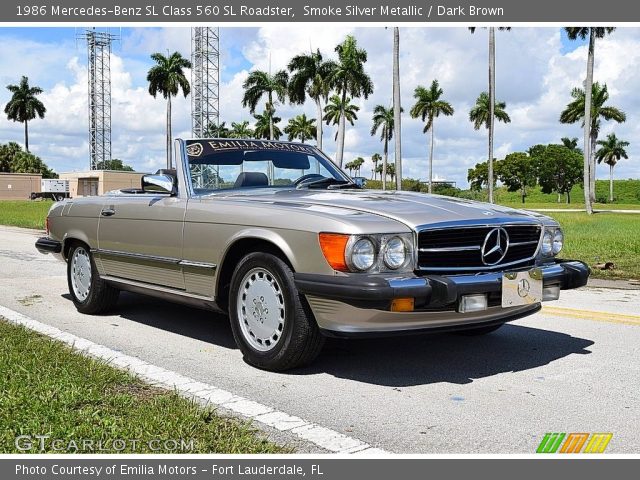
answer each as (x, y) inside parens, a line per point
(568, 369)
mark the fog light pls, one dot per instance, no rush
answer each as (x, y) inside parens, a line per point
(472, 303)
(402, 305)
(551, 293)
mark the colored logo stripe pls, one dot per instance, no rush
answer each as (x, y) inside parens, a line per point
(598, 442)
(574, 443)
(550, 442)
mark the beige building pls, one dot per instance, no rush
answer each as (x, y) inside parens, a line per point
(99, 182)
(18, 186)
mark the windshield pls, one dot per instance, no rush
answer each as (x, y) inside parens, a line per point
(221, 164)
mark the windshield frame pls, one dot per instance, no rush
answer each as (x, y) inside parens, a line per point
(322, 158)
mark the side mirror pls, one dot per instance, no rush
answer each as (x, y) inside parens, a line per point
(361, 182)
(159, 184)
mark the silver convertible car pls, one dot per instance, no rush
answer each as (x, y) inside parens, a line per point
(294, 250)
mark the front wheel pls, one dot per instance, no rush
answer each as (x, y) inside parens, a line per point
(272, 324)
(90, 294)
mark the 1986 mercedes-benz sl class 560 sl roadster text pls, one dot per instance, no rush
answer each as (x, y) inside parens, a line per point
(293, 250)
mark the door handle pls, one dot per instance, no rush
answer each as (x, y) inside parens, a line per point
(107, 212)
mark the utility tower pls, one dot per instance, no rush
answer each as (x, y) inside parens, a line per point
(99, 80)
(205, 76)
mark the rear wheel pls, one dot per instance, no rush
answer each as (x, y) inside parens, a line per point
(272, 324)
(473, 332)
(90, 294)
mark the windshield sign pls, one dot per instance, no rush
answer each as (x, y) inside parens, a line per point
(219, 164)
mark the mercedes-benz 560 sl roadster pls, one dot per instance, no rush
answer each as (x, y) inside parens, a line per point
(293, 249)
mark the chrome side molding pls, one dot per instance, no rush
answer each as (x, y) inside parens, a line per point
(154, 258)
(189, 263)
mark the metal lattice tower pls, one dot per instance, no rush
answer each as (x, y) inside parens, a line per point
(205, 75)
(99, 80)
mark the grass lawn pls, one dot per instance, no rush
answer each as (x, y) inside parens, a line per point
(24, 213)
(47, 389)
(565, 206)
(600, 238)
(625, 192)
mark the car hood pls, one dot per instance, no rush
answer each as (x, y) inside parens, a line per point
(411, 208)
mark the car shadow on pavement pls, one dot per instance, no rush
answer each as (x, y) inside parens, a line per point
(424, 359)
(394, 361)
(183, 320)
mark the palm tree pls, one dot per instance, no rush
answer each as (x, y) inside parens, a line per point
(383, 119)
(375, 158)
(217, 131)
(8, 153)
(266, 127)
(24, 105)
(240, 130)
(167, 77)
(573, 33)
(611, 151)
(337, 110)
(575, 111)
(300, 127)
(309, 76)
(481, 114)
(260, 83)
(570, 143)
(350, 166)
(492, 98)
(348, 78)
(391, 171)
(357, 164)
(379, 170)
(428, 106)
(397, 109)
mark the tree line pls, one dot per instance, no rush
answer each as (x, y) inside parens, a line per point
(556, 168)
(13, 159)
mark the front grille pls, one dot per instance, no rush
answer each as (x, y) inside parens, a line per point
(459, 248)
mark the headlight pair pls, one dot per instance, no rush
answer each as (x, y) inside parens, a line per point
(368, 253)
(552, 241)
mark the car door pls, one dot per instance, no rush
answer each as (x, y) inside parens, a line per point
(140, 239)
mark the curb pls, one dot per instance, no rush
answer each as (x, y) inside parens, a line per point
(318, 435)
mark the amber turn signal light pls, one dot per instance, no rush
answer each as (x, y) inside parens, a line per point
(333, 247)
(402, 305)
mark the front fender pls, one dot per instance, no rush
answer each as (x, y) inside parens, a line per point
(301, 249)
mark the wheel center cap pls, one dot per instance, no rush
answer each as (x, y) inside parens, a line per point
(260, 311)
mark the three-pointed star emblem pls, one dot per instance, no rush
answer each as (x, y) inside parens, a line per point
(495, 246)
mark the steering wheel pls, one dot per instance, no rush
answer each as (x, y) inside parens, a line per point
(307, 178)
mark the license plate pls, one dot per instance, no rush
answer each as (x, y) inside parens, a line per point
(521, 288)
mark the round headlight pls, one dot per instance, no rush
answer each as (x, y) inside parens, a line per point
(363, 254)
(395, 253)
(547, 243)
(558, 241)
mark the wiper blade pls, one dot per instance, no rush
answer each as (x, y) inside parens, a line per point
(325, 182)
(343, 185)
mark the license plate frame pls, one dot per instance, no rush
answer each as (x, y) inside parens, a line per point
(522, 288)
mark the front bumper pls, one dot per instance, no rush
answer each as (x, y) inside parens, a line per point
(48, 245)
(360, 304)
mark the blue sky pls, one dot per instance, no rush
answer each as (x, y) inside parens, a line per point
(536, 69)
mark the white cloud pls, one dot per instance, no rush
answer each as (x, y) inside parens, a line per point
(533, 76)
